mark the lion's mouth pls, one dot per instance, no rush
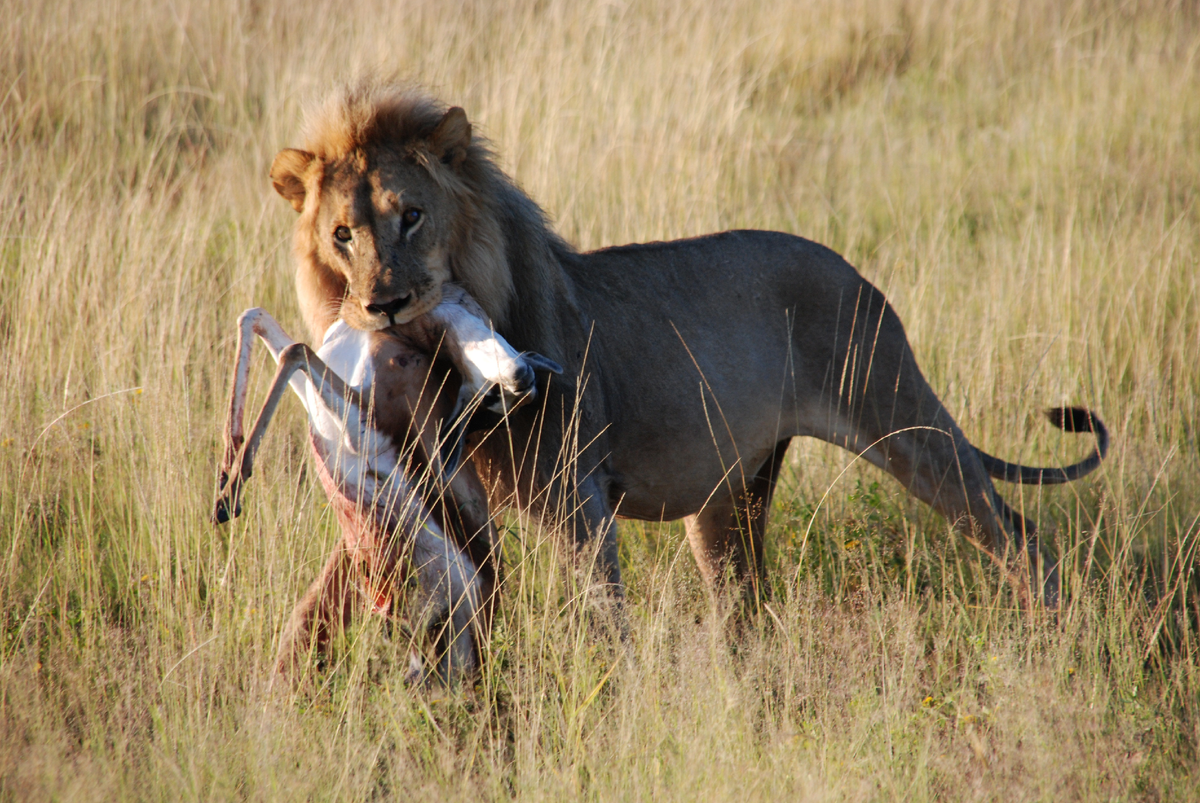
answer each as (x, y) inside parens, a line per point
(394, 307)
(403, 309)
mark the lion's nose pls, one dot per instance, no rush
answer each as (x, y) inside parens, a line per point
(393, 307)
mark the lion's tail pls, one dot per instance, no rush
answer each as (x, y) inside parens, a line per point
(1068, 419)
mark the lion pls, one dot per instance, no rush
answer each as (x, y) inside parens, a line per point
(689, 365)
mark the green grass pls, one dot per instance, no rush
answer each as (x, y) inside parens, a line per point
(1024, 186)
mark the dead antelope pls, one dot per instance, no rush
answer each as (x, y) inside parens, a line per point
(387, 432)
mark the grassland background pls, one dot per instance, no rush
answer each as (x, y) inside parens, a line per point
(1022, 180)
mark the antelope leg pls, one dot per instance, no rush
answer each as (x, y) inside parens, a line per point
(325, 608)
(482, 356)
(448, 602)
(258, 321)
(342, 400)
(252, 321)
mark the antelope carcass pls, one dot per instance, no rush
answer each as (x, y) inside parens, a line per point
(387, 429)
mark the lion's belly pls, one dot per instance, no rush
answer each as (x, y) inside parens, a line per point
(663, 502)
(667, 461)
(679, 481)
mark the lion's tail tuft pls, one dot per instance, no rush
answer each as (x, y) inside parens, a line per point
(1068, 419)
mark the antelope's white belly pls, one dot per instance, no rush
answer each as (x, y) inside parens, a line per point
(356, 454)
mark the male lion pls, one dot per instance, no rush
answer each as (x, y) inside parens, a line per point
(689, 364)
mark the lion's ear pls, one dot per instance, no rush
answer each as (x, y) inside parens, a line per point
(287, 174)
(451, 138)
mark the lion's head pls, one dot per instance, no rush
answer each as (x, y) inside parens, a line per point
(388, 187)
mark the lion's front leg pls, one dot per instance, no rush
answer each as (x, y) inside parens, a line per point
(581, 513)
(594, 527)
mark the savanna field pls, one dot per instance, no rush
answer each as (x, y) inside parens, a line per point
(1022, 181)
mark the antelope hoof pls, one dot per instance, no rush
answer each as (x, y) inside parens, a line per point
(227, 506)
(520, 385)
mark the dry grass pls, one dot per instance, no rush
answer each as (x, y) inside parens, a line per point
(1023, 185)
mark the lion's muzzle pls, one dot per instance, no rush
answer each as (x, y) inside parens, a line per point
(392, 308)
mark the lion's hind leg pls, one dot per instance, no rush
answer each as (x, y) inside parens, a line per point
(902, 427)
(874, 401)
(726, 536)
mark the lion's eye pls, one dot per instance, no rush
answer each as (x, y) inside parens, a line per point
(342, 233)
(411, 217)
